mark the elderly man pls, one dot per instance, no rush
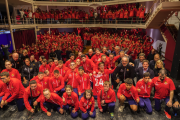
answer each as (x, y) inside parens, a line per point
(116, 51)
(16, 62)
(90, 53)
(138, 62)
(153, 62)
(123, 71)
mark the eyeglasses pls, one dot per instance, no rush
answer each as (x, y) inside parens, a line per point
(72, 65)
(3, 78)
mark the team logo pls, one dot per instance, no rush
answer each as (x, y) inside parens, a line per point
(11, 86)
(45, 82)
(58, 80)
(127, 69)
(12, 75)
(85, 79)
(76, 73)
(89, 103)
(64, 71)
(87, 65)
(114, 61)
(108, 96)
(33, 64)
(149, 86)
(30, 68)
(38, 92)
(165, 82)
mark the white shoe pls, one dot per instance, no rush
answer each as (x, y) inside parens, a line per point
(121, 108)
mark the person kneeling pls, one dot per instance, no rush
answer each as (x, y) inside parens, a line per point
(70, 100)
(51, 101)
(106, 99)
(87, 105)
(127, 92)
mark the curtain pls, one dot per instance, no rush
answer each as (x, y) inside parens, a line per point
(26, 37)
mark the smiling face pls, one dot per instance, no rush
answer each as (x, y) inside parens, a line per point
(8, 65)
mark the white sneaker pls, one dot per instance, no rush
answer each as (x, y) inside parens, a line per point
(121, 108)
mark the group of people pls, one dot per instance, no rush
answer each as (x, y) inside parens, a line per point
(127, 13)
(75, 85)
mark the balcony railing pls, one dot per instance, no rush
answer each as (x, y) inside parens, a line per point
(76, 0)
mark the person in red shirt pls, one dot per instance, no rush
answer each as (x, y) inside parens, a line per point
(56, 83)
(144, 88)
(70, 99)
(107, 99)
(44, 66)
(48, 17)
(61, 68)
(71, 77)
(127, 92)
(3, 91)
(104, 60)
(141, 15)
(126, 15)
(87, 64)
(164, 90)
(15, 89)
(14, 73)
(121, 13)
(42, 80)
(83, 81)
(97, 56)
(55, 64)
(87, 104)
(51, 101)
(110, 16)
(72, 57)
(32, 96)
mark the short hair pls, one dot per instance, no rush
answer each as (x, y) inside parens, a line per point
(146, 74)
(81, 68)
(88, 91)
(27, 59)
(111, 54)
(128, 81)
(56, 71)
(126, 58)
(100, 63)
(122, 52)
(69, 86)
(44, 60)
(42, 57)
(32, 82)
(7, 61)
(46, 71)
(117, 47)
(83, 56)
(32, 55)
(103, 56)
(97, 49)
(5, 74)
(46, 89)
(50, 60)
(71, 54)
(163, 71)
(72, 62)
(157, 54)
(60, 62)
(55, 59)
(107, 83)
(145, 61)
(40, 73)
(141, 54)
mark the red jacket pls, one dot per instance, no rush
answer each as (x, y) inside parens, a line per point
(142, 13)
(109, 97)
(162, 88)
(56, 84)
(130, 94)
(145, 88)
(84, 82)
(86, 104)
(52, 68)
(113, 61)
(3, 90)
(88, 66)
(62, 70)
(105, 74)
(96, 57)
(98, 81)
(106, 64)
(67, 64)
(13, 73)
(126, 14)
(43, 68)
(15, 89)
(44, 82)
(71, 76)
(71, 100)
(55, 98)
(36, 93)
(121, 14)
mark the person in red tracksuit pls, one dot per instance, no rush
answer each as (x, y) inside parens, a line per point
(97, 56)
(112, 60)
(51, 101)
(106, 99)
(87, 64)
(141, 16)
(70, 99)
(126, 15)
(44, 66)
(104, 60)
(131, 13)
(14, 73)
(55, 64)
(72, 57)
(61, 68)
(32, 92)
(3, 91)
(87, 104)
(71, 77)
(127, 92)
(83, 81)
(56, 82)
(15, 89)
(121, 13)
(144, 88)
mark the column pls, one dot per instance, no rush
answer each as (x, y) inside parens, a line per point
(35, 30)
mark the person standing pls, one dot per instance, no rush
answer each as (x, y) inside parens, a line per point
(6, 50)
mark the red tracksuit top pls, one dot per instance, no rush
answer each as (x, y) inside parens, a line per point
(96, 57)
(13, 73)
(43, 68)
(88, 66)
(106, 63)
(105, 74)
(86, 104)
(162, 88)
(44, 82)
(109, 97)
(130, 94)
(72, 100)
(56, 84)
(15, 89)
(55, 98)
(27, 95)
(67, 64)
(145, 88)
(3, 90)
(52, 67)
(113, 61)
(62, 70)
(72, 78)
(84, 82)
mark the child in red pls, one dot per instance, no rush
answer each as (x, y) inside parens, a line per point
(87, 104)
(70, 99)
